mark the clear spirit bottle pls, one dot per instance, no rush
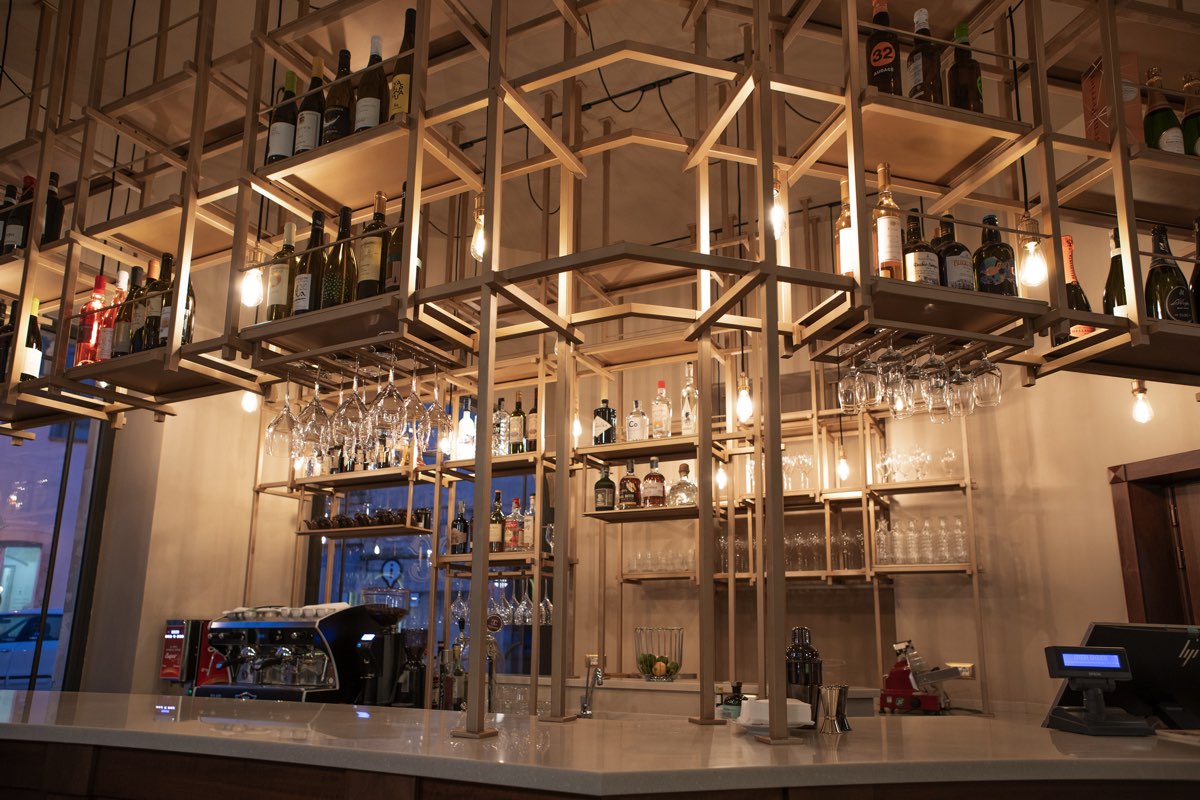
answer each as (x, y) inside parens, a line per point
(689, 405)
(683, 491)
(529, 525)
(660, 413)
(500, 429)
(637, 424)
(514, 524)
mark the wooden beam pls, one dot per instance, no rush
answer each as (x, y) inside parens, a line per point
(821, 140)
(467, 25)
(146, 140)
(737, 98)
(983, 171)
(539, 311)
(571, 15)
(799, 20)
(453, 158)
(724, 303)
(693, 14)
(640, 52)
(520, 106)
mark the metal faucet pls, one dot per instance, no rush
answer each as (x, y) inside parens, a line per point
(594, 678)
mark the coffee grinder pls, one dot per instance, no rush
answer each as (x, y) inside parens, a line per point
(381, 656)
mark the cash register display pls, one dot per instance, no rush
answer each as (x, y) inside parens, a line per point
(1088, 662)
(1092, 660)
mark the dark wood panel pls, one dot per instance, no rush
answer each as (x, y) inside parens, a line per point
(1005, 790)
(1149, 506)
(68, 769)
(21, 765)
(1187, 501)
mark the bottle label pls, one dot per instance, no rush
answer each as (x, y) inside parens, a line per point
(600, 426)
(155, 306)
(138, 317)
(13, 234)
(653, 490)
(662, 419)
(120, 344)
(308, 130)
(31, 364)
(629, 495)
(916, 75)
(1121, 311)
(882, 56)
(995, 272)
(687, 415)
(366, 113)
(164, 323)
(400, 94)
(1079, 331)
(281, 139)
(1179, 304)
(527, 535)
(104, 344)
(277, 288)
(495, 532)
(368, 252)
(512, 533)
(922, 267)
(302, 293)
(516, 428)
(960, 272)
(605, 498)
(457, 535)
(891, 246)
(847, 252)
(531, 426)
(1171, 141)
(337, 124)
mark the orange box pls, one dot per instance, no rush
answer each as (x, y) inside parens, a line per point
(1096, 113)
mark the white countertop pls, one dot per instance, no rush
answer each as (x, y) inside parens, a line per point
(599, 756)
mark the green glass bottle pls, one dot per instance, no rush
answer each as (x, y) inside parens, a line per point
(995, 264)
(1167, 293)
(965, 78)
(1161, 124)
(955, 257)
(1114, 300)
(1191, 115)
(1076, 298)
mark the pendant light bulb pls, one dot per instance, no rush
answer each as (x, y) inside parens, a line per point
(722, 478)
(576, 430)
(1033, 269)
(479, 237)
(376, 549)
(778, 211)
(843, 466)
(249, 402)
(252, 288)
(744, 406)
(1143, 412)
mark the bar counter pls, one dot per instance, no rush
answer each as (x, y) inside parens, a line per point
(124, 746)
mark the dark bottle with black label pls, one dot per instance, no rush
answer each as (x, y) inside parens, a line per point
(803, 668)
(604, 424)
(339, 103)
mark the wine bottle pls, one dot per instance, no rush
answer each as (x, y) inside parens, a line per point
(516, 428)
(395, 251)
(1191, 115)
(87, 336)
(306, 288)
(281, 135)
(52, 220)
(1076, 298)
(629, 494)
(123, 328)
(924, 63)
(312, 110)
(6, 329)
(373, 95)
(281, 276)
(531, 426)
(370, 252)
(1161, 125)
(883, 53)
(10, 200)
(496, 525)
(460, 531)
(604, 493)
(529, 525)
(31, 355)
(995, 263)
(339, 103)
(401, 84)
(145, 335)
(17, 223)
(108, 318)
(921, 263)
(1196, 268)
(1114, 301)
(965, 76)
(189, 312)
(889, 249)
(1167, 293)
(341, 275)
(955, 257)
(847, 241)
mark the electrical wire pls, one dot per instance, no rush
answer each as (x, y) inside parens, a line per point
(600, 72)
(529, 182)
(4, 52)
(670, 116)
(112, 188)
(1012, 32)
(800, 115)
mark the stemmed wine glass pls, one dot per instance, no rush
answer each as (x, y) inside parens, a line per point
(524, 608)
(987, 383)
(934, 378)
(439, 420)
(960, 394)
(282, 438)
(847, 391)
(314, 427)
(914, 376)
(387, 410)
(869, 385)
(351, 421)
(459, 608)
(547, 606)
(418, 422)
(891, 371)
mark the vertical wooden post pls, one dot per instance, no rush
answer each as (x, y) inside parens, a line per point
(855, 149)
(42, 52)
(416, 161)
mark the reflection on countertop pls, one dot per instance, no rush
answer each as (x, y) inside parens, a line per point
(619, 753)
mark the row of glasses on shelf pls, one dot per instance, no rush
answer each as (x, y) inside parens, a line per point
(913, 464)
(903, 543)
(510, 609)
(664, 561)
(804, 549)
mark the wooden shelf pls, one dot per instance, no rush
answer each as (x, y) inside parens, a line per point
(801, 500)
(360, 479)
(1165, 187)
(1171, 353)
(512, 464)
(669, 448)
(198, 375)
(506, 557)
(155, 229)
(915, 569)
(918, 487)
(37, 403)
(643, 577)
(367, 532)
(50, 275)
(634, 515)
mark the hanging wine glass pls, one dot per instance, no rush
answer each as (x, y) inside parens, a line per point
(282, 437)
(547, 606)
(418, 422)
(847, 391)
(900, 398)
(493, 607)
(440, 421)
(891, 370)
(524, 610)
(960, 393)
(915, 378)
(869, 387)
(387, 409)
(988, 383)
(314, 427)
(351, 428)
(459, 609)
(506, 607)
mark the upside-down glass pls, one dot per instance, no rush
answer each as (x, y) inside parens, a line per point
(847, 390)
(960, 394)
(387, 410)
(869, 387)
(937, 403)
(915, 377)
(900, 399)
(459, 608)
(351, 421)
(891, 371)
(314, 434)
(282, 438)
(442, 423)
(988, 383)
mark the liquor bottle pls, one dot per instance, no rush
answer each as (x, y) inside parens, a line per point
(339, 103)
(1167, 293)
(1161, 125)
(531, 426)
(604, 424)
(889, 248)
(924, 63)
(306, 288)
(341, 273)
(5, 336)
(654, 487)
(629, 494)
(847, 243)
(883, 53)
(939, 239)
(1191, 115)
(689, 403)
(994, 261)
(281, 275)
(955, 257)
(18, 218)
(189, 311)
(281, 134)
(1196, 269)
(87, 337)
(660, 413)
(460, 540)
(529, 525)
(803, 668)
(106, 335)
(496, 525)
(10, 200)
(500, 429)
(372, 96)
(30, 365)
(396, 248)
(637, 424)
(1114, 301)
(123, 328)
(683, 491)
(921, 263)
(52, 220)
(604, 492)
(149, 311)
(401, 84)
(312, 110)
(513, 524)
(516, 428)
(965, 77)
(370, 252)
(1076, 298)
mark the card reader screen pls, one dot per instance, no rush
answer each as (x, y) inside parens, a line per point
(1092, 660)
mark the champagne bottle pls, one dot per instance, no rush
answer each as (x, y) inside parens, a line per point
(373, 95)
(17, 224)
(281, 135)
(883, 53)
(955, 257)
(1076, 299)
(31, 355)
(339, 103)
(496, 525)
(189, 312)
(52, 220)
(889, 249)
(281, 275)
(306, 288)
(123, 329)
(10, 200)
(921, 263)
(370, 252)
(1191, 115)
(847, 242)
(1167, 293)
(341, 274)
(924, 63)
(516, 428)
(1161, 125)
(1114, 301)
(965, 76)
(312, 110)
(995, 262)
(401, 84)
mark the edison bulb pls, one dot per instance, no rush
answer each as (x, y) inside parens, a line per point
(778, 213)
(478, 240)
(744, 406)
(1143, 412)
(249, 402)
(376, 549)
(576, 430)
(722, 478)
(252, 288)
(446, 441)
(843, 467)
(1033, 266)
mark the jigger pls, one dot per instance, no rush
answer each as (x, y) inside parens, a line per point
(833, 706)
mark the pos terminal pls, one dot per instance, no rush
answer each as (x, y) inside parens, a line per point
(1093, 671)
